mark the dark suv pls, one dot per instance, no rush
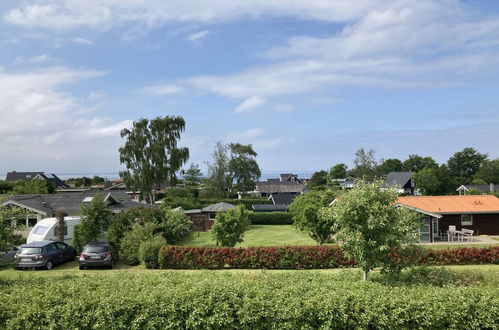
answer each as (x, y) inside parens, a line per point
(43, 254)
(97, 254)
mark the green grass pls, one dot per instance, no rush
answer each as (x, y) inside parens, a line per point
(454, 246)
(257, 235)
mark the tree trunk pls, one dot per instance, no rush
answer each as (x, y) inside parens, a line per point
(61, 224)
(365, 275)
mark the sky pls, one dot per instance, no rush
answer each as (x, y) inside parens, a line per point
(306, 82)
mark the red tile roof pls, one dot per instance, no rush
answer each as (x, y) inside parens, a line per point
(453, 204)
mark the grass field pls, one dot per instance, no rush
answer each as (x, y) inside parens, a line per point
(257, 235)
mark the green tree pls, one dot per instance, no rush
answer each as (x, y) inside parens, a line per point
(174, 225)
(27, 187)
(338, 171)
(305, 209)
(369, 226)
(192, 176)
(318, 180)
(428, 181)
(243, 168)
(219, 180)
(95, 219)
(139, 233)
(415, 163)
(6, 187)
(8, 223)
(464, 164)
(389, 165)
(230, 225)
(489, 172)
(365, 164)
(97, 180)
(151, 154)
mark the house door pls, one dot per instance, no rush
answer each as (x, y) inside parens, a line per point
(434, 229)
(424, 229)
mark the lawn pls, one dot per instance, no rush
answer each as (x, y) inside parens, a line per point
(257, 235)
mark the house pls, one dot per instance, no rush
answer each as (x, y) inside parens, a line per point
(286, 183)
(402, 181)
(483, 188)
(280, 203)
(479, 213)
(46, 205)
(346, 183)
(204, 218)
(52, 178)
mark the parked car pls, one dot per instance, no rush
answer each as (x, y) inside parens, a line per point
(7, 257)
(96, 254)
(43, 254)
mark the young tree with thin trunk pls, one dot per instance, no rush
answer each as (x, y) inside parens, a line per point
(369, 226)
(151, 154)
(61, 225)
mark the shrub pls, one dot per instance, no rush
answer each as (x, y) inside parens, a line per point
(132, 240)
(235, 300)
(174, 225)
(271, 218)
(148, 251)
(312, 257)
(229, 226)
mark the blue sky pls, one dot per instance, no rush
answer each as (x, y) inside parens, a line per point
(306, 82)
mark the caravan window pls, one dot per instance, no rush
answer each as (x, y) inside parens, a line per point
(40, 230)
(30, 250)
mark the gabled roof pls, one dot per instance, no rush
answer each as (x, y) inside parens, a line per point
(269, 207)
(52, 178)
(280, 187)
(282, 198)
(218, 207)
(465, 204)
(397, 179)
(48, 204)
(485, 188)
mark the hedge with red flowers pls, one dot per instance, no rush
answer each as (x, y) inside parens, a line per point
(305, 257)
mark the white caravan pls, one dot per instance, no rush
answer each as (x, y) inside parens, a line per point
(45, 230)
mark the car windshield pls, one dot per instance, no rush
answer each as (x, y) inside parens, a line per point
(95, 249)
(30, 250)
(40, 230)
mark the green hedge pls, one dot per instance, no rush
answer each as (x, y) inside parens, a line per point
(257, 300)
(271, 218)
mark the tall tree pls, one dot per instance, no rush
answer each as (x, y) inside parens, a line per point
(192, 176)
(389, 165)
(464, 164)
(489, 172)
(415, 163)
(243, 168)
(318, 180)
(338, 171)
(365, 164)
(151, 153)
(219, 175)
(428, 181)
(61, 225)
(369, 226)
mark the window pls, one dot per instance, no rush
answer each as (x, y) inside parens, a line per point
(40, 230)
(466, 219)
(61, 246)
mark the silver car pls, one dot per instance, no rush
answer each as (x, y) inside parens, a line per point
(7, 257)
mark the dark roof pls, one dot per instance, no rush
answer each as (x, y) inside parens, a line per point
(484, 188)
(280, 187)
(282, 198)
(48, 204)
(218, 207)
(52, 178)
(269, 207)
(397, 179)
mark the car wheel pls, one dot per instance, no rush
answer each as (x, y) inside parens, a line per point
(49, 265)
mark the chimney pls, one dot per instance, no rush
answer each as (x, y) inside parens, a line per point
(491, 187)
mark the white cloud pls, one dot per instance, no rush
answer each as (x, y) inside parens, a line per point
(103, 14)
(82, 41)
(198, 36)
(35, 59)
(163, 89)
(250, 104)
(40, 123)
